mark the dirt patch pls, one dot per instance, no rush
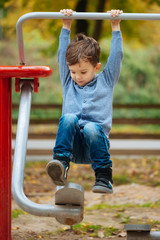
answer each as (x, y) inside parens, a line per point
(104, 215)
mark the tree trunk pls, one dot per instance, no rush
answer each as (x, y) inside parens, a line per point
(98, 23)
(81, 25)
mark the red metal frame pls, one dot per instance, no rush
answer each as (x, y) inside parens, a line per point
(5, 158)
(6, 74)
(25, 71)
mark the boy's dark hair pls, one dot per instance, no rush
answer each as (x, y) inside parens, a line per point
(83, 48)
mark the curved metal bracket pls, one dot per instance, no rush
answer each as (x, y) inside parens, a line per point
(68, 212)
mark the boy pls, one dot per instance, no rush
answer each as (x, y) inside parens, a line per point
(86, 120)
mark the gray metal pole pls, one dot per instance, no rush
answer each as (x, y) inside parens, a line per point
(76, 15)
(59, 211)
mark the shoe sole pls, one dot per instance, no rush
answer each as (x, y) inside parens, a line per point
(100, 189)
(55, 170)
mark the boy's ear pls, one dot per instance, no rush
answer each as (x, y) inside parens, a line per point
(98, 66)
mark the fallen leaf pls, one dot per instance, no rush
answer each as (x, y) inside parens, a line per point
(100, 234)
(122, 234)
(15, 228)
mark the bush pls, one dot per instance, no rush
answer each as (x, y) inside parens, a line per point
(140, 74)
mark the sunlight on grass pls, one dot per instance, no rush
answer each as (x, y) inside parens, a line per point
(121, 179)
(17, 212)
(123, 219)
(36, 164)
(93, 230)
(122, 207)
(148, 128)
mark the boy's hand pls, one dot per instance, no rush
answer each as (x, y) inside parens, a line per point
(115, 23)
(67, 22)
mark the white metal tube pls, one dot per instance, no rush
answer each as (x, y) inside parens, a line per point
(76, 15)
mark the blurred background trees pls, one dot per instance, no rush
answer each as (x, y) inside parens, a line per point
(140, 75)
(143, 31)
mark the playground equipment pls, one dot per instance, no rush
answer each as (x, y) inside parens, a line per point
(141, 232)
(64, 214)
(76, 15)
(69, 200)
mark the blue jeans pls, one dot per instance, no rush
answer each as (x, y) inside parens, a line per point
(87, 145)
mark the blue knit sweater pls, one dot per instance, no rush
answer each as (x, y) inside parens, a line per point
(93, 102)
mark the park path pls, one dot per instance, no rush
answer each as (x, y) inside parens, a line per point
(123, 195)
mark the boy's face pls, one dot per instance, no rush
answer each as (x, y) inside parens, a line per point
(83, 72)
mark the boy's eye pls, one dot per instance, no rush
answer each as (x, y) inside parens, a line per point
(83, 72)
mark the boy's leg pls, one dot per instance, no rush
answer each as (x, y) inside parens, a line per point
(98, 146)
(57, 169)
(104, 180)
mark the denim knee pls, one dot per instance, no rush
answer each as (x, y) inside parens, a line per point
(92, 131)
(69, 120)
(98, 145)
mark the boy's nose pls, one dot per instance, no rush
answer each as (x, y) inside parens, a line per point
(78, 77)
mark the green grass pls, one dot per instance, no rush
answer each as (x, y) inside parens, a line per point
(123, 219)
(154, 223)
(151, 205)
(36, 164)
(109, 231)
(121, 179)
(122, 207)
(93, 230)
(136, 113)
(147, 128)
(17, 212)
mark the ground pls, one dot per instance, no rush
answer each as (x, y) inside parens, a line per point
(136, 199)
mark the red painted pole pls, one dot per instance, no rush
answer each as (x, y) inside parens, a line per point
(6, 73)
(5, 158)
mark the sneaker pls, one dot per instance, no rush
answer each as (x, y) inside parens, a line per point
(57, 170)
(104, 181)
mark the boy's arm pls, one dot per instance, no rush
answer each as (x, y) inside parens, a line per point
(115, 23)
(64, 40)
(67, 22)
(113, 66)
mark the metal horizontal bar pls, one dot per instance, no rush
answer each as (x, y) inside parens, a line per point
(76, 15)
(88, 15)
